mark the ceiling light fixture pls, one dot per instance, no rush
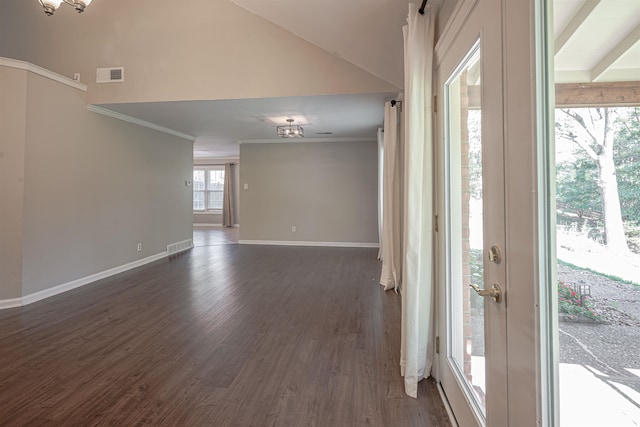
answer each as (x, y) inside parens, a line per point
(50, 6)
(290, 130)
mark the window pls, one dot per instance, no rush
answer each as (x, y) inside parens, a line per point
(208, 188)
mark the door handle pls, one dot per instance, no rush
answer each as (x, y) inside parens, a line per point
(495, 292)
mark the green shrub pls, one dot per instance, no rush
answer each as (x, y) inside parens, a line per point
(570, 304)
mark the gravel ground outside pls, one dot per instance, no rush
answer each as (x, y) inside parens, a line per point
(611, 349)
(599, 361)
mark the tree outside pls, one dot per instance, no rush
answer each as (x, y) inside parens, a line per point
(598, 236)
(600, 182)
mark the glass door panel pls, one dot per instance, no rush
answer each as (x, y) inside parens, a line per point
(472, 328)
(465, 227)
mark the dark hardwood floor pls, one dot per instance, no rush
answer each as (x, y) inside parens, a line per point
(215, 235)
(222, 335)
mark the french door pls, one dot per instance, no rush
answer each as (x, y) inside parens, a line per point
(471, 210)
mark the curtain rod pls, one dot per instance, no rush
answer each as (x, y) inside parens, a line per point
(394, 102)
(421, 10)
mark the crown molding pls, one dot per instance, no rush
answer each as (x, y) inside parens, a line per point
(125, 118)
(302, 140)
(27, 66)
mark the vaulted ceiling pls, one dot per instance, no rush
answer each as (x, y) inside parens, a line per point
(367, 33)
(595, 41)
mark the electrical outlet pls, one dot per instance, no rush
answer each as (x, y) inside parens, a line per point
(293, 228)
(139, 247)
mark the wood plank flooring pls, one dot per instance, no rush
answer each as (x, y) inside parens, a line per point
(223, 335)
(215, 235)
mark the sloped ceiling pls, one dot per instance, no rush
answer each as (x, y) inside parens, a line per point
(597, 40)
(367, 33)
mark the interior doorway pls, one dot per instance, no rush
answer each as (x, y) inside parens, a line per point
(204, 235)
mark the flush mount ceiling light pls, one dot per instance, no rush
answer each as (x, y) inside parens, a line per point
(290, 130)
(50, 6)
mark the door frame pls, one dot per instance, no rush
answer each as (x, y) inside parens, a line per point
(526, 91)
(481, 30)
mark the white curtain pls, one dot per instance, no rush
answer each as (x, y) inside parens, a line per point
(392, 217)
(417, 286)
(380, 187)
(229, 196)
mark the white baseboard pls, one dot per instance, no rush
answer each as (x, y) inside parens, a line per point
(300, 243)
(46, 293)
(204, 224)
(10, 303)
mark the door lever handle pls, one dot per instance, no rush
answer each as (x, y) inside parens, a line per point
(495, 292)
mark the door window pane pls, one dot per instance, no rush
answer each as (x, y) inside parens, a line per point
(465, 227)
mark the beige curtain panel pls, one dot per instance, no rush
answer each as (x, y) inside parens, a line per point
(229, 196)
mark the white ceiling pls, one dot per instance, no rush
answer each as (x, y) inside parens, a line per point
(595, 40)
(366, 33)
(219, 126)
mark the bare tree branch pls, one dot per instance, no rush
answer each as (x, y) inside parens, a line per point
(578, 118)
(570, 136)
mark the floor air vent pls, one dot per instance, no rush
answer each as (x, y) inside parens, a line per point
(177, 247)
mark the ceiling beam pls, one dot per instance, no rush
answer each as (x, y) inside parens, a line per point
(614, 54)
(605, 94)
(581, 95)
(578, 19)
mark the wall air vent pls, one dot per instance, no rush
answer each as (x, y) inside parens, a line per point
(110, 75)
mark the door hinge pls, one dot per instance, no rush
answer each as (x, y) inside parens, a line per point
(435, 225)
(437, 345)
(435, 104)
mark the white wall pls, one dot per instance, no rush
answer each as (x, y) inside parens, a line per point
(13, 86)
(328, 190)
(208, 49)
(93, 188)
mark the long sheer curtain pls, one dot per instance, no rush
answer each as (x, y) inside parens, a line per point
(380, 186)
(417, 284)
(229, 196)
(392, 216)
